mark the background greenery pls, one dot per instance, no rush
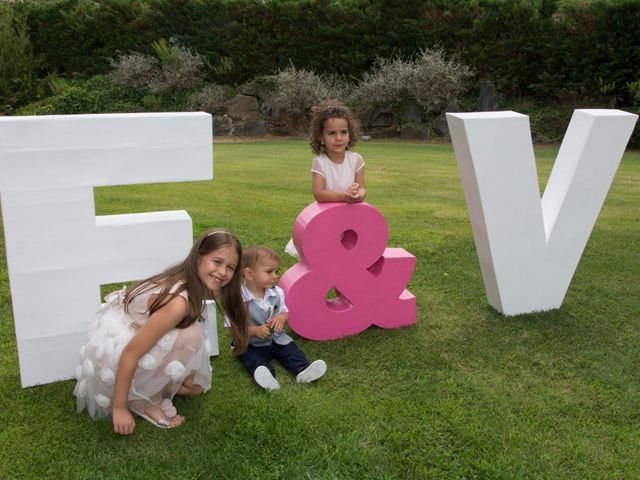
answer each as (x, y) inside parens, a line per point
(546, 57)
(465, 393)
(549, 48)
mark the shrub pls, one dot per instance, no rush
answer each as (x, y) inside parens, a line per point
(175, 101)
(176, 68)
(551, 49)
(181, 68)
(16, 59)
(430, 80)
(436, 81)
(58, 85)
(152, 103)
(383, 86)
(297, 90)
(96, 95)
(135, 70)
(634, 92)
(210, 99)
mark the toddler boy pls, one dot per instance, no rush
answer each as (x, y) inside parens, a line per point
(268, 313)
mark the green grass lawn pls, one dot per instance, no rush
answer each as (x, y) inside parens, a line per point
(465, 393)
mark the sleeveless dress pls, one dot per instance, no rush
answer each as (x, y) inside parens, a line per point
(161, 371)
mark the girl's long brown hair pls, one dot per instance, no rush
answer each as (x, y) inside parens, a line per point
(185, 275)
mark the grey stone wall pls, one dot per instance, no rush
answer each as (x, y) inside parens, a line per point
(251, 113)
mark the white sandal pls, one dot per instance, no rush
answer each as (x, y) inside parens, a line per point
(162, 422)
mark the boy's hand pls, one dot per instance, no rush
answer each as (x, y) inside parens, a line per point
(277, 323)
(261, 332)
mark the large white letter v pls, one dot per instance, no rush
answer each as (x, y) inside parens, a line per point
(529, 248)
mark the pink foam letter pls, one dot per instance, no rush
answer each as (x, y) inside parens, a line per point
(343, 246)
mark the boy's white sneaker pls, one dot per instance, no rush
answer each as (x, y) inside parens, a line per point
(313, 372)
(263, 377)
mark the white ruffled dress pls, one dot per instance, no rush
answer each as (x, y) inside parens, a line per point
(161, 371)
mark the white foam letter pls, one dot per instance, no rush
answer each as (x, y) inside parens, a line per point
(529, 248)
(58, 251)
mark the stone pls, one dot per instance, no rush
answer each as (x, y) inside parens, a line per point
(381, 119)
(243, 106)
(261, 87)
(413, 113)
(249, 89)
(415, 132)
(440, 125)
(289, 123)
(268, 109)
(222, 125)
(389, 132)
(250, 128)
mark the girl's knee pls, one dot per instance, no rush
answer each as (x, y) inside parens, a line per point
(197, 390)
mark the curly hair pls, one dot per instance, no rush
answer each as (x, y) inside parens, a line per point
(325, 111)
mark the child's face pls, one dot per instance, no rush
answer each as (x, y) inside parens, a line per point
(216, 269)
(335, 135)
(264, 274)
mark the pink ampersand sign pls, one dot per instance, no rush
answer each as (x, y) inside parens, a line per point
(344, 248)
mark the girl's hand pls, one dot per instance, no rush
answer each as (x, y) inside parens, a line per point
(123, 422)
(352, 194)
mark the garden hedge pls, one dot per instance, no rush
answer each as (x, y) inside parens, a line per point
(549, 49)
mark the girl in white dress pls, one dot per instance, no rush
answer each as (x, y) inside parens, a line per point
(147, 343)
(337, 173)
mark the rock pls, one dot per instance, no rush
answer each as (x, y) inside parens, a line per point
(243, 106)
(415, 132)
(222, 125)
(381, 119)
(413, 113)
(388, 132)
(250, 128)
(268, 109)
(278, 128)
(249, 89)
(289, 124)
(260, 87)
(440, 126)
